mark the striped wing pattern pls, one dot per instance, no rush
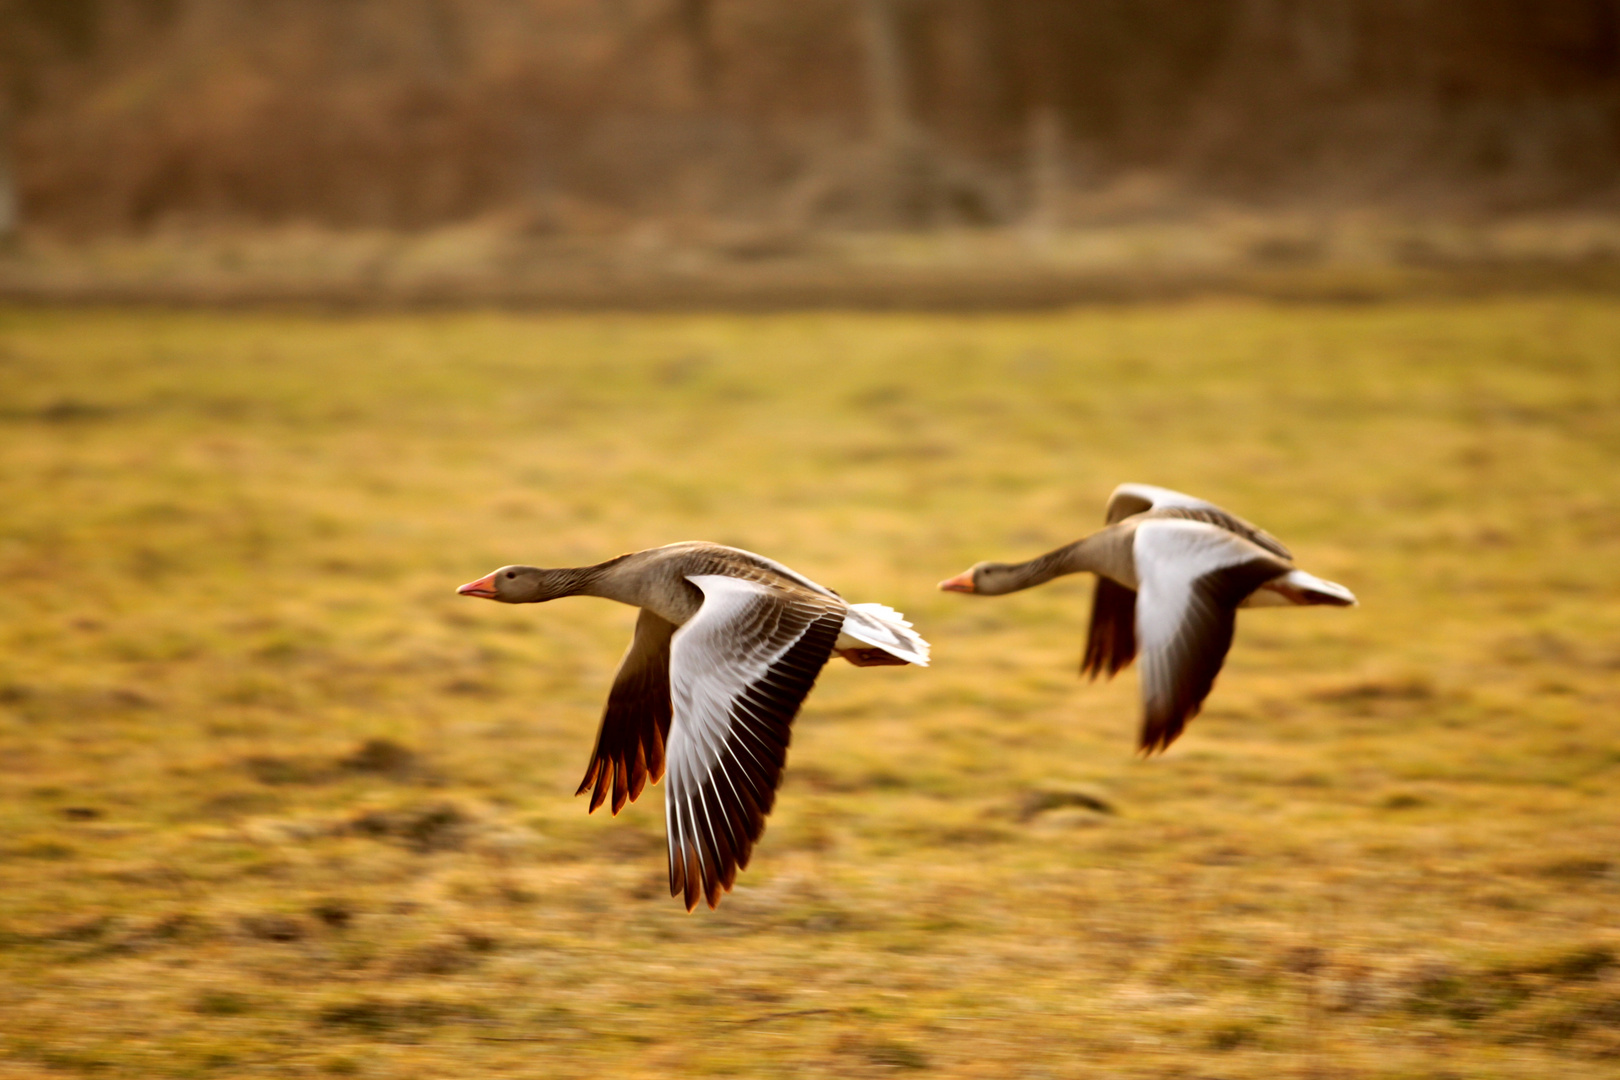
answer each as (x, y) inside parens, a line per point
(739, 671)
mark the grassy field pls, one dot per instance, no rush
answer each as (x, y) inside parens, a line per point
(275, 801)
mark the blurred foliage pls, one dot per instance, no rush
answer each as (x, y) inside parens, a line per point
(570, 113)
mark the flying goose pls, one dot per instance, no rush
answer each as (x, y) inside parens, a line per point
(1171, 571)
(726, 648)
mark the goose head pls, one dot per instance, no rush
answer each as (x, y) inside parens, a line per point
(519, 585)
(985, 579)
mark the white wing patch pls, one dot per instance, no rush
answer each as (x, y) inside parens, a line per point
(1184, 613)
(734, 689)
(1170, 556)
(710, 665)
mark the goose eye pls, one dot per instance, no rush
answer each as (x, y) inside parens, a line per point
(511, 573)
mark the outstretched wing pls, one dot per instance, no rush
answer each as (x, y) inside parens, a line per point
(1193, 577)
(635, 725)
(1111, 638)
(1129, 499)
(739, 670)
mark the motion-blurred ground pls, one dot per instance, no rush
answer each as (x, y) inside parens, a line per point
(276, 802)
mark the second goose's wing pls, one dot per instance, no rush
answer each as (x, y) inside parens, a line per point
(1129, 499)
(1193, 577)
(739, 670)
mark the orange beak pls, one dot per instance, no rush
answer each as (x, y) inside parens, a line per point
(484, 587)
(962, 582)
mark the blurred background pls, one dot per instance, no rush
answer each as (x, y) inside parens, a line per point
(688, 136)
(311, 310)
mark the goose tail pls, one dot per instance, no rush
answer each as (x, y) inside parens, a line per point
(876, 626)
(1304, 589)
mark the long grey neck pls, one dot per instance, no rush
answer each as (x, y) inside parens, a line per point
(598, 580)
(650, 583)
(1106, 553)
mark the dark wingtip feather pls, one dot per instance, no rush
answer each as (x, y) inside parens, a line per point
(677, 876)
(638, 774)
(1158, 732)
(635, 720)
(596, 782)
(693, 879)
(1111, 636)
(590, 776)
(621, 788)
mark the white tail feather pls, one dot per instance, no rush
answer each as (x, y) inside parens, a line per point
(1312, 589)
(885, 628)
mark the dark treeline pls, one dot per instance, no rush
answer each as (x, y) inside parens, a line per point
(583, 114)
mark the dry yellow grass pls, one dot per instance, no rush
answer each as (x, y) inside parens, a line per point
(276, 802)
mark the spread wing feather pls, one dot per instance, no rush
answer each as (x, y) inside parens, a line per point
(739, 670)
(1193, 577)
(635, 725)
(1111, 638)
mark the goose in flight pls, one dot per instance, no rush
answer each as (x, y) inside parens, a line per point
(726, 648)
(1171, 571)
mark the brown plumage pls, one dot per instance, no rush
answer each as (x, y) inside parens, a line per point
(726, 648)
(1171, 571)
(630, 744)
(1111, 638)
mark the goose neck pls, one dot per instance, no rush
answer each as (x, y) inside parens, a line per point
(1082, 555)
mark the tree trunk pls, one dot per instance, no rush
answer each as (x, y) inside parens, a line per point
(886, 73)
(1325, 35)
(901, 167)
(696, 18)
(1047, 179)
(8, 182)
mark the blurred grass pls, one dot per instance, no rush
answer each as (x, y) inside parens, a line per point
(275, 801)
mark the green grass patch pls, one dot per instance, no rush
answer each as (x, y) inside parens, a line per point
(275, 801)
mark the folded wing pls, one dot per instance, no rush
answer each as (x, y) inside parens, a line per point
(739, 670)
(1193, 577)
